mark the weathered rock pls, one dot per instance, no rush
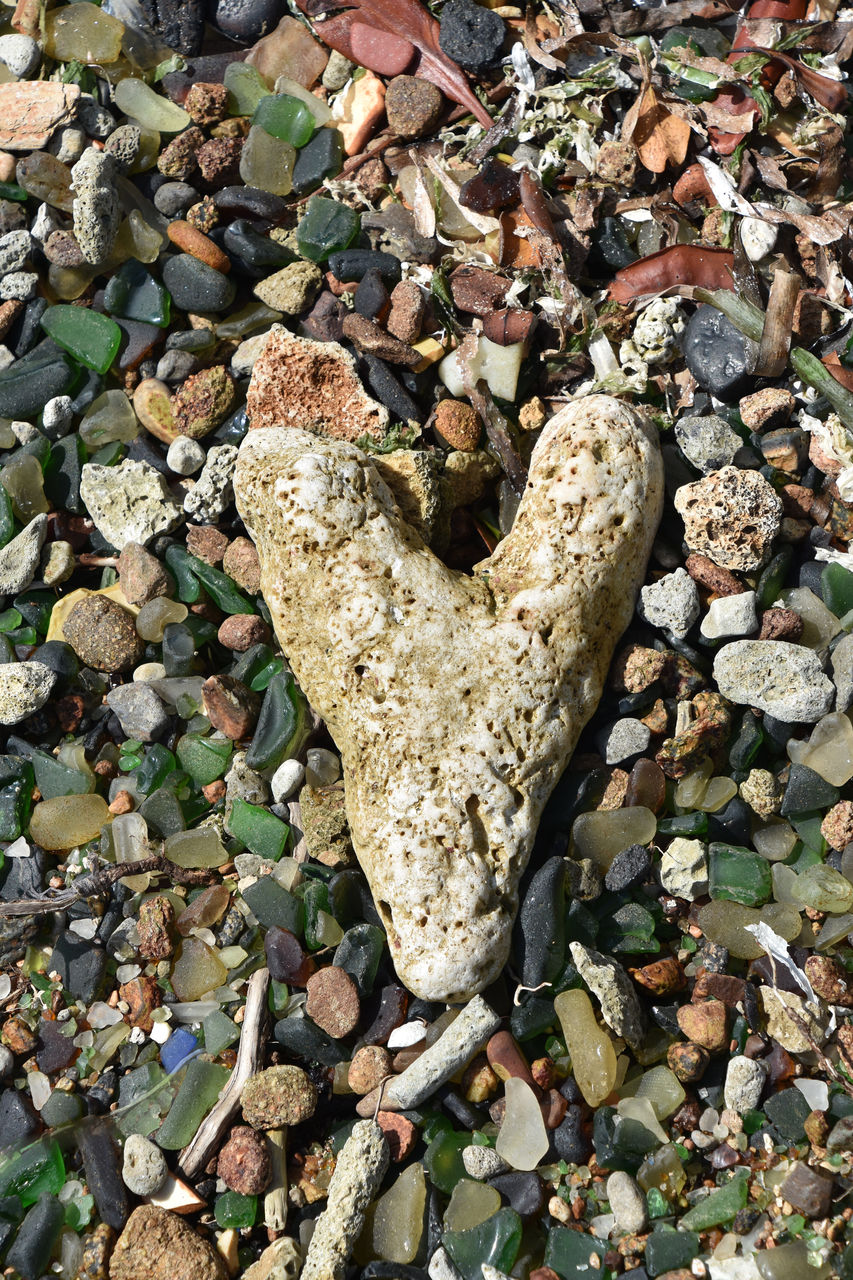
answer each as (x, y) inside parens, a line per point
(785, 680)
(312, 384)
(128, 503)
(732, 516)
(31, 112)
(158, 1245)
(96, 209)
(620, 1007)
(469, 690)
(19, 558)
(24, 688)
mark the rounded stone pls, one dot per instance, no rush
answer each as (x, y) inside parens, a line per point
(413, 106)
(103, 635)
(21, 55)
(333, 1001)
(784, 680)
(369, 1067)
(458, 424)
(281, 1095)
(717, 354)
(627, 1202)
(204, 401)
(244, 1162)
(195, 286)
(185, 456)
(199, 246)
(245, 21)
(174, 198)
(745, 1079)
(471, 35)
(144, 1168)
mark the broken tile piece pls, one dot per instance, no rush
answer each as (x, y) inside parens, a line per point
(30, 111)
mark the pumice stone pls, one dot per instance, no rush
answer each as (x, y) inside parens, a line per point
(455, 700)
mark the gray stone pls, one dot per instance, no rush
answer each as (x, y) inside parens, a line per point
(144, 1168)
(18, 286)
(129, 503)
(243, 783)
(185, 456)
(483, 1162)
(623, 739)
(140, 712)
(281, 1260)
(57, 416)
(7, 1061)
(672, 603)
(358, 1175)
(441, 1267)
(58, 562)
(68, 144)
(841, 662)
(213, 492)
(176, 366)
(840, 1136)
(46, 221)
(338, 71)
(785, 680)
(19, 558)
(95, 210)
(21, 55)
(684, 869)
(745, 1079)
(174, 198)
(15, 247)
(709, 443)
(620, 1007)
(730, 616)
(627, 1203)
(95, 119)
(24, 688)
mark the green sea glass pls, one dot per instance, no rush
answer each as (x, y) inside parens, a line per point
(134, 294)
(326, 227)
(91, 338)
(285, 118)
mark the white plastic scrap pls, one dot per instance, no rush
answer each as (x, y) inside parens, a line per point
(777, 949)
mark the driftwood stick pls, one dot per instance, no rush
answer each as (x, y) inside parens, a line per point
(211, 1130)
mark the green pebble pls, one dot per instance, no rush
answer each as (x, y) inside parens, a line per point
(91, 338)
(285, 118)
(325, 227)
(258, 829)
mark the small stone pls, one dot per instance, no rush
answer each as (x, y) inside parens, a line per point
(837, 826)
(103, 635)
(185, 456)
(58, 562)
(18, 286)
(324, 825)
(123, 145)
(745, 1080)
(763, 792)
(244, 1162)
(178, 158)
(96, 209)
(152, 404)
(672, 603)
(282, 1260)
(19, 558)
(627, 1203)
(298, 381)
(687, 1061)
(758, 238)
(129, 502)
(278, 1096)
(240, 561)
(458, 423)
(62, 249)
(230, 706)
(705, 1024)
(367, 337)
(771, 407)
(482, 1163)
(684, 869)
(476, 290)
(784, 680)
(620, 1007)
(142, 995)
(413, 477)
(840, 1136)
(333, 1001)
(15, 247)
(195, 286)
(623, 740)
(628, 869)
(732, 516)
(796, 1024)
(207, 103)
(159, 1245)
(730, 616)
(31, 111)
(413, 106)
(369, 1067)
(808, 1191)
(155, 926)
(400, 1134)
(204, 402)
(24, 689)
(140, 712)
(213, 492)
(174, 198)
(141, 576)
(717, 354)
(338, 71)
(247, 354)
(780, 624)
(242, 630)
(207, 543)
(292, 289)
(709, 443)
(471, 35)
(144, 1168)
(192, 241)
(21, 55)
(98, 1246)
(829, 980)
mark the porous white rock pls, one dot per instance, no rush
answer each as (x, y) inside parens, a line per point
(455, 700)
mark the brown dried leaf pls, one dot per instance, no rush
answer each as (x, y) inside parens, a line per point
(682, 264)
(660, 137)
(410, 19)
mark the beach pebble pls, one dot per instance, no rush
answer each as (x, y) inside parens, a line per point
(144, 1168)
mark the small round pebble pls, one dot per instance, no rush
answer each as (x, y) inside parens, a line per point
(482, 1162)
(185, 456)
(279, 1096)
(287, 777)
(333, 1001)
(239, 632)
(57, 416)
(244, 1162)
(103, 635)
(471, 35)
(144, 1168)
(745, 1079)
(195, 286)
(413, 106)
(627, 1202)
(458, 424)
(369, 1067)
(730, 616)
(174, 198)
(21, 55)
(628, 869)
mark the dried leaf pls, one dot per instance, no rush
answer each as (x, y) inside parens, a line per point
(414, 22)
(660, 137)
(681, 264)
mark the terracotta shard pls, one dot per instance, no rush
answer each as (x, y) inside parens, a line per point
(30, 111)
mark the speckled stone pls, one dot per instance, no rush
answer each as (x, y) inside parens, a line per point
(24, 688)
(96, 210)
(520, 648)
(358, 1174)
(785, 680)
(731, 516)
(103, 635)
(278, 1096)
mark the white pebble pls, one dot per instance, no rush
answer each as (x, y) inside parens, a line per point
(758, 238)
(730, 616)
(185, 456)
(39, 1087)
(144, 1168)
(287, 777)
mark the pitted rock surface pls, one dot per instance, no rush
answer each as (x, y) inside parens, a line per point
(455, 701)
(731, 516)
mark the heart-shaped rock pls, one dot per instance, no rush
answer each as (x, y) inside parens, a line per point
(455, 701)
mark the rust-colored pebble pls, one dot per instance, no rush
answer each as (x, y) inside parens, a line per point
(400, 1134)
(369, 1067)
(194, 242)
(244, 1161)
(458, 424)
(333, 1001)
(241, 630)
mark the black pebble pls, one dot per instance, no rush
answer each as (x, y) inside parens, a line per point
(471, 35)
(524, 1192)
(569, 1139)
(30, 1254)
(353, 264)
(195, 286)
(103, 1174)
(81, 966)
(179, 22)
(811, 576)
(717, 354)
(19, 1122)
(629, 868)
(371, 296)
(384, 385)
(732, 823)
(26, 331)
(245, 21)
(541, 924)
